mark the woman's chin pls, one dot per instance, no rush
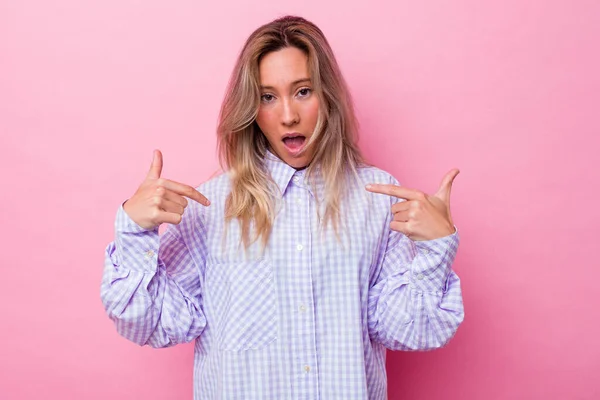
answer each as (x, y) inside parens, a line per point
(295, 158)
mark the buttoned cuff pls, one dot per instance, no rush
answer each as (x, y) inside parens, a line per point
(433, 263)
(124, 223)
(136, 247)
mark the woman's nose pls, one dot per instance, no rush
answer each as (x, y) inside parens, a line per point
(289, 115)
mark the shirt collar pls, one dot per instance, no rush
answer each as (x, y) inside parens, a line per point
(281, 172)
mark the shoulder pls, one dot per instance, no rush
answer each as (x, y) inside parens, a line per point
(370, 174)
(217, 186)
(215, 189)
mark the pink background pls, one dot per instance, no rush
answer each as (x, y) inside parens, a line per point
(508, 91)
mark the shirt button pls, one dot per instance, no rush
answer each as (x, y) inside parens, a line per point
(420, 277)
(298, 200)
(307, 368)
(296, 179)
(149, 254)
(299, 247)
(302, 308)
(426, 251)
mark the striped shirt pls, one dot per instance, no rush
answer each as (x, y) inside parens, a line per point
(310, 317)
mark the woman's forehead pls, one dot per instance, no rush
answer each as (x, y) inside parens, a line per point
(284, 67)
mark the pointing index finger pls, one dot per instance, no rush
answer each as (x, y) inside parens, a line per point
(187, 191)
(393, 190)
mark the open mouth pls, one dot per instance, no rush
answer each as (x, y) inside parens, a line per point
(294, 142)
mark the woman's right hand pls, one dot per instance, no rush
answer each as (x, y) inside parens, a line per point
(160, 200)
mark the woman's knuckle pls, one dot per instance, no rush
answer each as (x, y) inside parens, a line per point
(154, 214)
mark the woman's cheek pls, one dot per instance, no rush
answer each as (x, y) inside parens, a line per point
(264, 120)
(313, 111)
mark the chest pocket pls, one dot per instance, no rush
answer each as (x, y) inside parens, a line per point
(244, 304)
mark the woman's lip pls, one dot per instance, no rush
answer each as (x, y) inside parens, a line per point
(294, 152)
(292, 134)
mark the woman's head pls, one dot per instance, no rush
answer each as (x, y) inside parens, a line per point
(266, 60)
(286, 94)
(289, 107)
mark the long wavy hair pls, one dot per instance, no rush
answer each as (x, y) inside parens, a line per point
(242, 146)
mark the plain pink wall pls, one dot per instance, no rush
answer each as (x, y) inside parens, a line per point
(508, 91)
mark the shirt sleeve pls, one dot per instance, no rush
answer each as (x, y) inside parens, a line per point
(151, 284)
(416, 302)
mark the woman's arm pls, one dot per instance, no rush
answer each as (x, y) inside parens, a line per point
(416, 301)
(151, 287)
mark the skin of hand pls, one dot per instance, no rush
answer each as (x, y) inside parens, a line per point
(158, 200)
(421, 216)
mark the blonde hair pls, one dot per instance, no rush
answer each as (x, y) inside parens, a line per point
(243, 147)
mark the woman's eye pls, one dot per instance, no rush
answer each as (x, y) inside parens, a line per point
(304, 92)
(266, 97)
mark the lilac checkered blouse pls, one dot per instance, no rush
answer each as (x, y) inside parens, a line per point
(308, 318)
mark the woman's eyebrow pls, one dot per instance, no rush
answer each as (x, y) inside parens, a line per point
(297, 81)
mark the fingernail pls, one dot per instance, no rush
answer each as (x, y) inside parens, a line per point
(369, 186)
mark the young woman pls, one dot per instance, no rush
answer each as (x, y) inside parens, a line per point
(306, 264)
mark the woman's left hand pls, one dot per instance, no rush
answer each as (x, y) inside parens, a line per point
(421, 216)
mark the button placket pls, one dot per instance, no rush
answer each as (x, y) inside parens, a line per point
(303, 342)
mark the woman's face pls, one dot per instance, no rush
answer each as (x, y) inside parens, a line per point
(289, 108)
